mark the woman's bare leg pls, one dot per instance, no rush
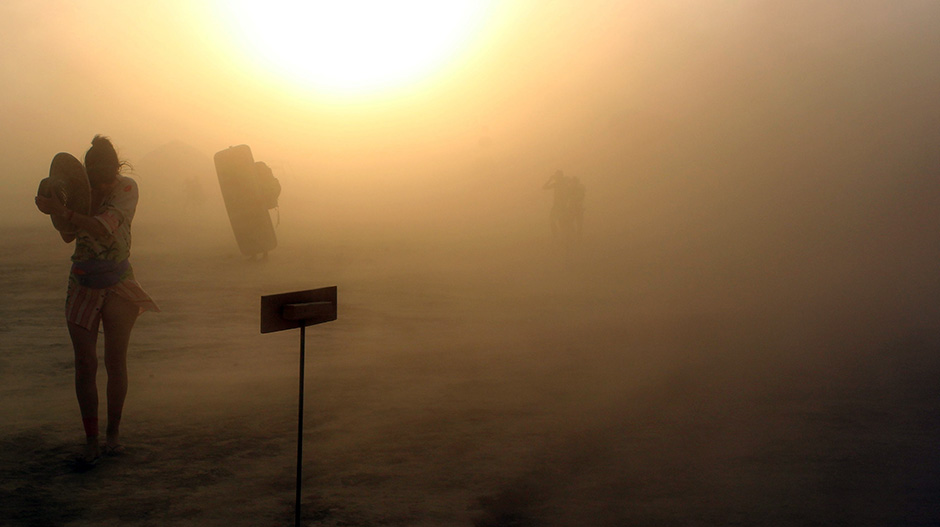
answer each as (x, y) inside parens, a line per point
(118, 316)
(84, 343)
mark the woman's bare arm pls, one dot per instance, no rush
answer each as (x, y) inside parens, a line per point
(88, 224)
(54, 207)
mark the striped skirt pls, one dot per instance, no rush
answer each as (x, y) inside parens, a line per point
(83, 304)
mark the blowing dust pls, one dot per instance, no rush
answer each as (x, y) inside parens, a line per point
(745, 330)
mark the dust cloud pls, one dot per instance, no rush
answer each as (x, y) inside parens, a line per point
(747, 320)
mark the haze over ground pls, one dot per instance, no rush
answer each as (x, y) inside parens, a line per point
(762, 187)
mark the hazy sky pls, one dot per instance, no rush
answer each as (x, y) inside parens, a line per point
(625, 94)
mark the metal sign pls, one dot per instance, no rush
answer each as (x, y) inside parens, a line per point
(298, 309)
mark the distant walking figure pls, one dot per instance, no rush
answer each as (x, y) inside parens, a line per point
(558, 216)
(102, 290)
(567, 212)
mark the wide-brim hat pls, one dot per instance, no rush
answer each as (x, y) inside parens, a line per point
(67, 181)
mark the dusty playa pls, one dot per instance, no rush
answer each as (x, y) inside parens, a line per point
(748, 334)
(495, 386)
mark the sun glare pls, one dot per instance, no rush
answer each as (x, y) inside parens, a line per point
(349, 47)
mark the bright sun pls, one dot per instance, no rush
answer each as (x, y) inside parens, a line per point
(352, 47)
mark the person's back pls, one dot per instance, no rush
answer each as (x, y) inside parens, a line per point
(269, 185)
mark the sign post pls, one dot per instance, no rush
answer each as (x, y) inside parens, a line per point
(293, 310)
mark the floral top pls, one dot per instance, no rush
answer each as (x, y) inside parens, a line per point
(116, 213)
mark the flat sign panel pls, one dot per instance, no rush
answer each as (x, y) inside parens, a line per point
(312, 302)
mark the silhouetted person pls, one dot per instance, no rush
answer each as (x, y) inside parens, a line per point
(559, 215)
(269, 189)
(102, 290)
(269, 186)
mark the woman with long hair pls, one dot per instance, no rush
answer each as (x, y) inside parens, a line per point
(102, 291)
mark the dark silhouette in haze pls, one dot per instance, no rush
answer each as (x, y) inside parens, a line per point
(249, 190)
(270, 186)
(102, 290)
(270, 191)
